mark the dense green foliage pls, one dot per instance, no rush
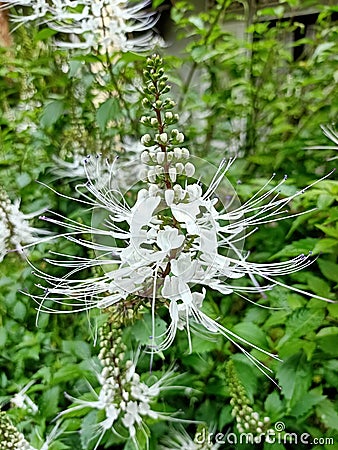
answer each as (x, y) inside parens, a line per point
(261, 96)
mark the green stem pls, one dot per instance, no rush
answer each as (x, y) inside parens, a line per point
(195, 64)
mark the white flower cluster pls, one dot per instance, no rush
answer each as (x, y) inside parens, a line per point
(103, 25)
(175, 240)
(123, 397)
(71, 161)
(10, 437)
(15, 230)
(23, 114)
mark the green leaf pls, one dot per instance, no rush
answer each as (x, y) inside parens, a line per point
(49, 401)
(107, 111)
(252, 333)
(301, 322)
(327, 340)
(328, 269)
(246, 374)
(305, 246)
(305, 403)
(3, 337)
(325, 200)
(295, 345)
(87, 432)
(66, 373)
(19, 311)
(142, 329)
(327, 414)
(330, 231)
(326, 245)
(333, 310)
(157, 3)
(225, 416)
(44, 34)
(318, 285)
(52, 112)
(294, 377)
(274, 407)
(79, 349)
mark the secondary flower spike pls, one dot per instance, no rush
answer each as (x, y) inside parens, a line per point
(125, 402)
(102, 25)
(176, 240)
(15, 229)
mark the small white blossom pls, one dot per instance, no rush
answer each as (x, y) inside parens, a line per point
(123, 397)
(21, 399)
(15, 230)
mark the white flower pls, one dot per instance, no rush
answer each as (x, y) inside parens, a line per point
(71, 165)
(103, 25)
(123, 397)
(15, 230)
(331, 134)
(176, 240)
(21, 399)
(179, 439)
(173, 256)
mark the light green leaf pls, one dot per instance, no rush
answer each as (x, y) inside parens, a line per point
(107, 111)
(142, 329)
(326, 245)
(301, 322)
(52, 112)
(327, 414)
(274, 406)
(329, 269)
(49, 401)
(252, 333)
(327, 340)
(294, 377)
(79, 349)
(305, 246)
(305, 403)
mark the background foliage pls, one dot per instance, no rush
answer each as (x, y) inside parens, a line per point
(263, 97)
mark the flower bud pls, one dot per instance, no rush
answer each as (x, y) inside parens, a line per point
(169, 195)
(185, 153)
(172, 174)
(189, 169)
(146, 139)
(145, 157)
(160, 157)
(179, 167)
(178, 153)
(163, 138)
(151, 175)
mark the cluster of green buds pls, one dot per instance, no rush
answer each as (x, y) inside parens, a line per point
(10, 437)
(123, 396)
(111, 356)
(164, 155)
(248, 420)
